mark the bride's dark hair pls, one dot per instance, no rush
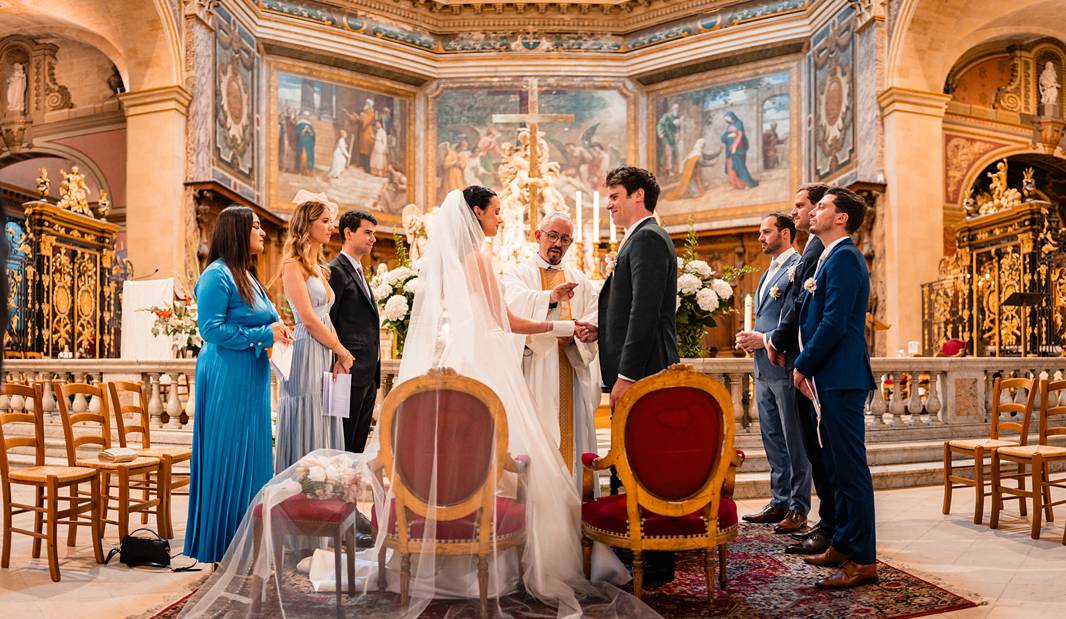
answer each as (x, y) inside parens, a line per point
(477, 196)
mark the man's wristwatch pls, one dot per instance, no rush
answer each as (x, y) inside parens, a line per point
(553, 305)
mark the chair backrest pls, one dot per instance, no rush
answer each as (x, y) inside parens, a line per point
(30, 412)
(98, 425)
(1052, 404)
(999, 407)
(137, 406)
(444, 445)
(676, 432)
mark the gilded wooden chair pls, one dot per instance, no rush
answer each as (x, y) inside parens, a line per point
(46, 481)
(672, 446)
(982, 448)
(444, 450)
(136, 404)
(1038, 458)
(89, 428)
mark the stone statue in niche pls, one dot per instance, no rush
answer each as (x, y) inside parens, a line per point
(1049, 90)
(16, 89)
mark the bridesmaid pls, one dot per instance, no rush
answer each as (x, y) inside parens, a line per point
(231, 431)
(302, 428)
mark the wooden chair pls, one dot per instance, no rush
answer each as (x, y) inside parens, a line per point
(1038, 458)
(46, 482)
(137, 398)
(979, 449)
(672, 446)
(131, 476)
(449, 486)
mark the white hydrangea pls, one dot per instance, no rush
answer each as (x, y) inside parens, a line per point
(699, 267)
(316, 473)
(722, 288)
(381, 290)
(688, 283)
(395, 308)
(707, 299)
(397, 275)
(680, 263)
(411, 285)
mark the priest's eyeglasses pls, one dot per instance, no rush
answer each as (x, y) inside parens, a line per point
(554, 237)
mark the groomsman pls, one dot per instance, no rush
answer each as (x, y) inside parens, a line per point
(782, 435)
(355, 317)
(833, 370)
(637, 332)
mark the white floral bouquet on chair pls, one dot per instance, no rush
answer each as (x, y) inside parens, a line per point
(324, 477)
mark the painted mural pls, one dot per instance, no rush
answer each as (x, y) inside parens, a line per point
(470, 148)
(833, 98)
(724, 146)
(332, 132)
(236, 88)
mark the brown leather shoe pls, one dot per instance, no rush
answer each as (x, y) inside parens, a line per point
(793, 521)
(768, 515)
(850, 574)
(830, 558)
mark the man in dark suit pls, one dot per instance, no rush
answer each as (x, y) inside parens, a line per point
(637, 329)
(833, 370)
(355, 317)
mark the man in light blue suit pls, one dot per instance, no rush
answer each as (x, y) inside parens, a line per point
(782, 436)
(833, 370)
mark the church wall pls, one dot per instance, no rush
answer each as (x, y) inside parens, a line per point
(236, 106)
(85, 72)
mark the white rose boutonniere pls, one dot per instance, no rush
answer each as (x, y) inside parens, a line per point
(609, 262)
(775, 292)
(810, 285)
(792, 273)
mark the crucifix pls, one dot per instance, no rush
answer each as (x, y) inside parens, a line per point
(532, 119)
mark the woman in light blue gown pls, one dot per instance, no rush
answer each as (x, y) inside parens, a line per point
(302, 427)
(231, 430)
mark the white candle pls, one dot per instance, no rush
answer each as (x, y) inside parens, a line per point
(595, 217)
(614, 231)
(577, 233)
(749, 312)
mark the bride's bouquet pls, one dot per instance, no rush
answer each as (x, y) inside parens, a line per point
(702, 297)
(329, 477)
(395, 293)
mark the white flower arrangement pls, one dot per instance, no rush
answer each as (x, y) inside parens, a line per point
(395, 308)
(810, 285)
(707, 299)
(411, 285)
(699, 268)
(329, 477)
(688, 284)
(395, 290)
(722, 288)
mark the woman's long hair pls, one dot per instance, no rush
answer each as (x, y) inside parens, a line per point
(231, 241)
(298, 242)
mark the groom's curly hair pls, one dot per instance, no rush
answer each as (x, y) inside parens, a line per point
(633, 178)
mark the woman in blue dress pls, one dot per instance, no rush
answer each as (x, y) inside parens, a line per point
(231, 445)
(735, 139)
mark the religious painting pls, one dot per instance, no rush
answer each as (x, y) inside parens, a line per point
(342, 134)
(236, 85)
(724, 145)
(833, 98)
(476, 130)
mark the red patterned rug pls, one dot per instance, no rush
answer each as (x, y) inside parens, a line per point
(763, 582)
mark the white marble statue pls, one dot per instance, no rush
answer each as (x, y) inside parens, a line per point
(1049, 87)
(16, 89)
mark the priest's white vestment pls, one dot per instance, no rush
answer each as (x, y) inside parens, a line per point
(528, 290)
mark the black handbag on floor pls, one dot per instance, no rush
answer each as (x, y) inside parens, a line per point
(150, 551)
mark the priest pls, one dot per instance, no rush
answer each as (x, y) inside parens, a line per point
(563, 374)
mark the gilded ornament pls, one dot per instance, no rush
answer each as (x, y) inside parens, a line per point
(44, 184)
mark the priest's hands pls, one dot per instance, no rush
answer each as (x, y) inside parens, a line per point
(750, 340)
(585, 332)
(621, 386)
(563, 292)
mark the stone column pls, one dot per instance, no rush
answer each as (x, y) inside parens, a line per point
(156, 213)
(914, 205)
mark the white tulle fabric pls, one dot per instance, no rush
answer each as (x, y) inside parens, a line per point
(459, 321)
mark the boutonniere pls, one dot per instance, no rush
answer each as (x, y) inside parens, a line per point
(792, 273)
(810, 285)
(608, 263)
(775, 292)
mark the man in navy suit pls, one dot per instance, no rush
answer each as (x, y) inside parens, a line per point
(779, 422)
(833, 370)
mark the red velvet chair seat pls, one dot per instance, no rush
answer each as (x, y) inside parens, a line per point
(304, 509)
(608, 515)
(510, 519)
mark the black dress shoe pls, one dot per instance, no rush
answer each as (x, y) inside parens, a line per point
(804, 533)
(362, 524)
(817, 543)
(363, 540)
(768, 515)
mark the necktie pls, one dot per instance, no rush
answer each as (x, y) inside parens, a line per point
(362, 281)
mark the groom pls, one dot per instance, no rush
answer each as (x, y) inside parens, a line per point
(637, 306)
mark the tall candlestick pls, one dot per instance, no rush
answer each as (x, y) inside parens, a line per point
(749, 312)
(614, 231)
(595, 216)
(577, 233)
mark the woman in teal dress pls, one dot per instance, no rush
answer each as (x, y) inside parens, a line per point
(231, 445)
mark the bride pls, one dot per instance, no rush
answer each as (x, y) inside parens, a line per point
(459, 321)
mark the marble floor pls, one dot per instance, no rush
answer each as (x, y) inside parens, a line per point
(1009, 573)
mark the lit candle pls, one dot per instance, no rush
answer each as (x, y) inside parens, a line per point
(749, 312)
(614, 231)
(595, 217)
(577, 208)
